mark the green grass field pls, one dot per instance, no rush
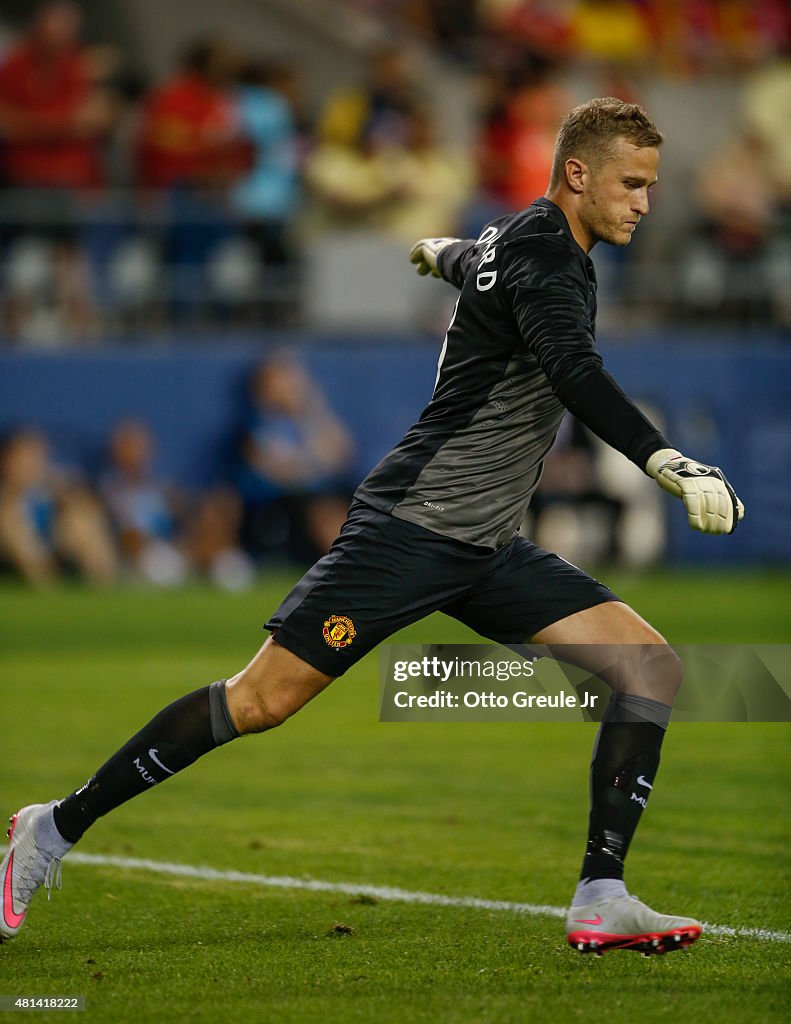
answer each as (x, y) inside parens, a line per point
(487, 810)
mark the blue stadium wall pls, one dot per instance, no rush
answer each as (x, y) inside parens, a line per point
(724, 400)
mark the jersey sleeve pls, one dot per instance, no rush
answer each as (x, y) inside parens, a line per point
(598, 402)
(455, 260)
(547, 292)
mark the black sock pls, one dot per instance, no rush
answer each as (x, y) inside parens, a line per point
(624, 765)
(175, 738)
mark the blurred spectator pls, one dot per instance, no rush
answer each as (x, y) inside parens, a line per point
(493, 149)
(47, 522)
(432, 183)
(192, 147)
(353, 186)
(517, 143)
(450, 24)
(539, 27)
(266, 198)
(53, 118)
(295, 455)
(535, 110)
(767, 111)
(190, 131)
(211, 539)
(286, 79)
(376, 109)
(145, 512)
(51, 114)
(160, 540)
(610, 30)
(403, 188)
(726, 267)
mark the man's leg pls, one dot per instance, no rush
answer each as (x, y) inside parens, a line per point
(611, 641)
(274, 686)
(381, 574)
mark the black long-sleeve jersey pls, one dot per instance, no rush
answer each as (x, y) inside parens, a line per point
(519, 351)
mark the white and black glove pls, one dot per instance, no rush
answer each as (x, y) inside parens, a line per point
(425, 252)
(710, 501)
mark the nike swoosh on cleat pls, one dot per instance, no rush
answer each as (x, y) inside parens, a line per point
(153, 755)
(641, 782)
(11, 919)
(593, 920)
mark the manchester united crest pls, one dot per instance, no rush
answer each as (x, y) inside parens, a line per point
(339, 631)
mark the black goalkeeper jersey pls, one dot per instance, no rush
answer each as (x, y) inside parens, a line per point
(519, 351)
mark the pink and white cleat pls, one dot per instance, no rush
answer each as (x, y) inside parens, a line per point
(30, 861)
(623, 922)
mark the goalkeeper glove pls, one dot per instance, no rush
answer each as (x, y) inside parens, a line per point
(710, 501)
(425, 252)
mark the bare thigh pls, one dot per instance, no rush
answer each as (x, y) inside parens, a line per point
(613, 642)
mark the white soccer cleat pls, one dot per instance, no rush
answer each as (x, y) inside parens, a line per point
(623, 922)
(26, 867)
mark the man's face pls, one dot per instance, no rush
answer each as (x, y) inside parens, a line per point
(616, 196)
(57, 26)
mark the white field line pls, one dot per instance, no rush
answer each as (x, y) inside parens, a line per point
(380, 892)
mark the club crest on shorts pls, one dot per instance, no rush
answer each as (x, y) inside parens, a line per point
(339, 631)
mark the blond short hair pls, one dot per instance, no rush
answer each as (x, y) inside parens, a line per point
(589, 131)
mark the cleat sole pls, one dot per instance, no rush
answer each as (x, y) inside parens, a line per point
(647, 944)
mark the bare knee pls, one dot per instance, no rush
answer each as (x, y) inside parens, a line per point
(659, 674)
(613, 642)
(272, 688)
(254, 711)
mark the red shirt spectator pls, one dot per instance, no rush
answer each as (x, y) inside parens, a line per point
(190, 130)
(518, 144)
(51, 113)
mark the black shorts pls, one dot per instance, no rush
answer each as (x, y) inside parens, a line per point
(383, 573)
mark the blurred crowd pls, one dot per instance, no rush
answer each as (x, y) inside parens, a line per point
(128, 205)
(280, 497)
(678, 37)
(284, 496)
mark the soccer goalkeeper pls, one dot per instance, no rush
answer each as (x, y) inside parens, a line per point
(435, 526)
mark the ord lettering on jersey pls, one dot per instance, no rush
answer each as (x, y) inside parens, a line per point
(486, 279)
(511, 356)
(468, 467)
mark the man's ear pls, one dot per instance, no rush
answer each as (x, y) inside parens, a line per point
(576, 172)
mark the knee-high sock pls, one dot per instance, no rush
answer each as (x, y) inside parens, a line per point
(624, 765)
(176, 737)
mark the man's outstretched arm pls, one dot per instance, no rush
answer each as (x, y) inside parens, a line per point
(448, 258)
(598, 402)
(549, 305)
(548, 302)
